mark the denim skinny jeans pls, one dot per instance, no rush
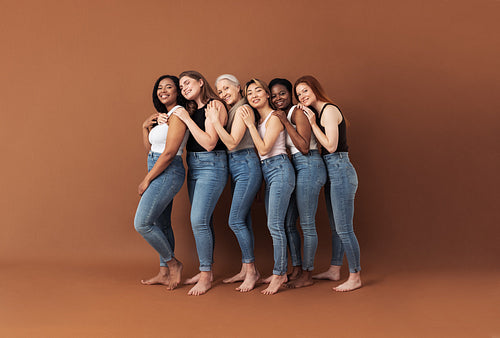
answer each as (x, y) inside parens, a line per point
(207, 176)
(311, 176)
(339, 195)
(152, 218)
(280, 182)
(246, 178)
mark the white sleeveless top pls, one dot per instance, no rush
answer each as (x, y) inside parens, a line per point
(313, 145)
(158, 136)
(279, 146)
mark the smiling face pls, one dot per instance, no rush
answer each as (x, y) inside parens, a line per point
(257, 96)
(228, 92)
(190, 88)
(167, 92)
(281, 97)
(305, 94)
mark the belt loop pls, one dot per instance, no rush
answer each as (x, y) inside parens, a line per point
(340, 155)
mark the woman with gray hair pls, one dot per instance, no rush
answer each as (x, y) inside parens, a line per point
(246, 175)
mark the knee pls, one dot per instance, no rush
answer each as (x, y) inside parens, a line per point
(345, 231)
(141, 226)
(237, 224)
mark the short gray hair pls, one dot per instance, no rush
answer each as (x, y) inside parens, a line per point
(229, 77)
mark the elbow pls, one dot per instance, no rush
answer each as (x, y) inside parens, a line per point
(230, 147)
(168, 155)
(331, 149)
(210, 147)
(264, 152)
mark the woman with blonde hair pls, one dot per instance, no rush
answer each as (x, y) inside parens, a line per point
(246, 176)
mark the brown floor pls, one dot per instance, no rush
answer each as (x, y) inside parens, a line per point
(105, 299)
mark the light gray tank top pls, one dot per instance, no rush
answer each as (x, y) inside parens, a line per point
(246, 142)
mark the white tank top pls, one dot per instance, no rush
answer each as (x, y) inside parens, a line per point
(158, 136)
(313, 145)
(279, 146)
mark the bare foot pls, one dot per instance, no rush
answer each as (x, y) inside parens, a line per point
(276, 282)
(352, 283)
(296, 273)
(160, 278)
(333, 273)
(203, 285)
(251, 278)
(195, 279)
(267, 280)
(304, 280)
(240, 276)
(174, 279)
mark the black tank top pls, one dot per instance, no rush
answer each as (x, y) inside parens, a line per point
(199, 118)
(342, 142)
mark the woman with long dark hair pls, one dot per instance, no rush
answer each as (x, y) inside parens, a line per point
(246, 175)
(164, 178)
(269, 140)
(329, 127)
(207, 170)
(310, 176)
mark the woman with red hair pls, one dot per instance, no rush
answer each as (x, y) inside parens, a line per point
(329, 127)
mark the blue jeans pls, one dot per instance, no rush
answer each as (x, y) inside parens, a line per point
(246, 175)
(339, 194)
(280, 182)
(207, 176)
(311, 176)
(152, 218)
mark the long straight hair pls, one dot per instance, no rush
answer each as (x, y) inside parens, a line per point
(315, 86)
(317, 89)
(264, 86)
(206, 92)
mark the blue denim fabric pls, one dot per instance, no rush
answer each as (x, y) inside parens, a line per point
(310, 172)
(339, 194)
(244, 167)
(152, 218)
(280, 182)
(207, 176)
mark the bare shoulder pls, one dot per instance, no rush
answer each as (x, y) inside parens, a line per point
(331, 113)
(273, 121)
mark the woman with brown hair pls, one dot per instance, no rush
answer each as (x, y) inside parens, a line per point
(207, 170)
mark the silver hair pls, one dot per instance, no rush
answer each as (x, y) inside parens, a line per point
(229, 77)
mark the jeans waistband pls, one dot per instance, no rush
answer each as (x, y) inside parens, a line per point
(241, 152)
(205, 154)
(273, 159)
(313, 152)
(340, 154)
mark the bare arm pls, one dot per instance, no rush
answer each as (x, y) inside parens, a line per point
(237, 129)
(146, 128)
(208, 138)
(273, 129)
(176, 132)
(301, 137)
(330, 120)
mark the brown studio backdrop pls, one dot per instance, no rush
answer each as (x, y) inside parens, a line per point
(417, 81)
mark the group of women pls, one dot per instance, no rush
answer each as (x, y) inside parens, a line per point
(247, 133)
